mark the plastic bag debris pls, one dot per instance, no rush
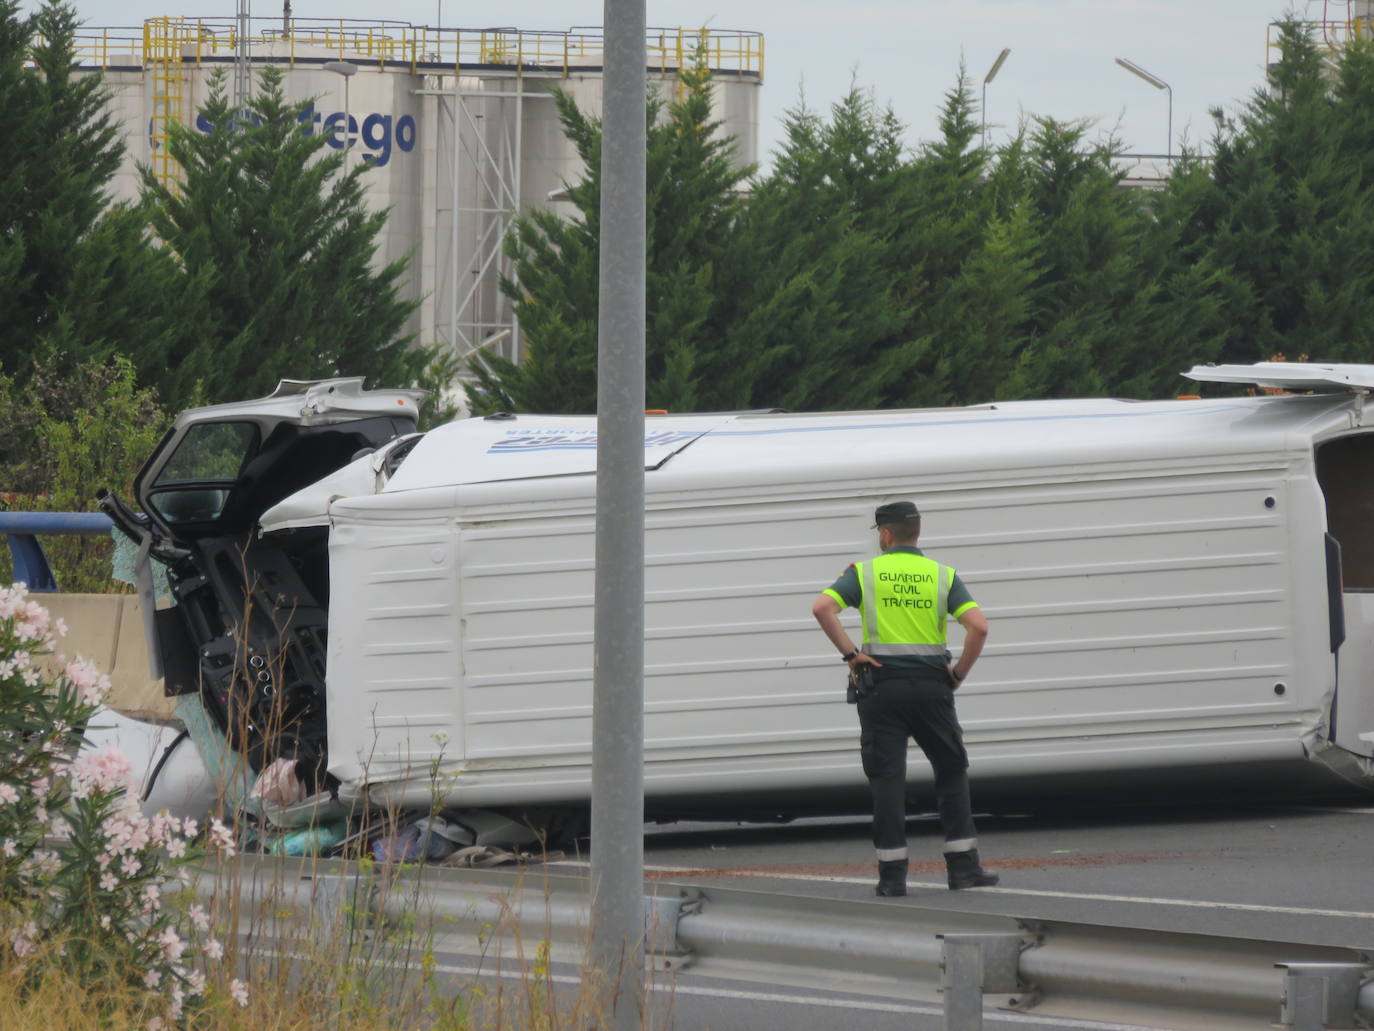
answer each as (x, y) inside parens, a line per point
(412, 844)
(312, 841)
(278, 784)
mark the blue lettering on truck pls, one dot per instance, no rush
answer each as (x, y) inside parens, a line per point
(378, 134)
(524, 441)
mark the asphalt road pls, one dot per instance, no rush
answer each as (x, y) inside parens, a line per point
(1298, 872)
(1275, 872)
(1269, 871)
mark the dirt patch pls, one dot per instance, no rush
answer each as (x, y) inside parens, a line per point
(820, 870)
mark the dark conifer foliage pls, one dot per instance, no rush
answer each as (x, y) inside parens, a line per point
(1288, 220)
(693, 205)
(855, 272)
(75, 275)
(275, 248)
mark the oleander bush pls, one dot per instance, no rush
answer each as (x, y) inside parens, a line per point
(90, 887)
(100, 927)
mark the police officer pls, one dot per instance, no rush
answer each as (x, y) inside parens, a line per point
(904, 599)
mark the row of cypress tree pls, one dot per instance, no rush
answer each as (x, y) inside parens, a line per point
(255, 267)
(855, 273)
(113, 316)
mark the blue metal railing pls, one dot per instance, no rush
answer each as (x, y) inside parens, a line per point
(21, 530)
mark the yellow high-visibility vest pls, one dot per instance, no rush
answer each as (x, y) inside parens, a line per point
(904, 604)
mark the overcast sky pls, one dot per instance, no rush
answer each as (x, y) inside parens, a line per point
(1212, 52)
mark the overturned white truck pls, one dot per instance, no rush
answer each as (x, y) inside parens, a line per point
(1181, 593)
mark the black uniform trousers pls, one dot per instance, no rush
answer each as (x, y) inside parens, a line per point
(915, 704)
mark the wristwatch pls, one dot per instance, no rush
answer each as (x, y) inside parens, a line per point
(846, 658)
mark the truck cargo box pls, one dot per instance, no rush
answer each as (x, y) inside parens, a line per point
(1178, 592)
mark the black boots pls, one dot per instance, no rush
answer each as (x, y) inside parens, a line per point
(891, 877)
(966, 872)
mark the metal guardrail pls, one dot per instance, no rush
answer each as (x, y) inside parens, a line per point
(1047, 968)
(21, 529)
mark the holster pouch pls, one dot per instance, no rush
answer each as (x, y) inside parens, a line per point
(860, 684)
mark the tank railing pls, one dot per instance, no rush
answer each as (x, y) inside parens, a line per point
(1329, 35)
(421, 48)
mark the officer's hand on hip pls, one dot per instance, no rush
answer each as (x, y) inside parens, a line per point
(954, 678)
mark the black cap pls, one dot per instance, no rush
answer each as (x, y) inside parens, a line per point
(895, 512)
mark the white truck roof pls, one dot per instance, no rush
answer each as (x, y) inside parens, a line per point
(776, 448)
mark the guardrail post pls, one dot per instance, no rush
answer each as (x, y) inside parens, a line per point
(661, 916)
(31, 564)
(1317, 996)
(970, 965)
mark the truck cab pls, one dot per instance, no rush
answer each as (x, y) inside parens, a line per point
(245, 625)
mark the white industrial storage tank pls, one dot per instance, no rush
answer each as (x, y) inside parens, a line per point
(458, 126)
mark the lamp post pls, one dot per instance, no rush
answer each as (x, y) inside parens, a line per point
(992, 74)
(1157, 83)
(347, 70)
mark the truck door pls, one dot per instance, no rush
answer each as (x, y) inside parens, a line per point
(1345, 471)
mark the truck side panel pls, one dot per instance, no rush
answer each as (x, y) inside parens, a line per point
(1141, 619)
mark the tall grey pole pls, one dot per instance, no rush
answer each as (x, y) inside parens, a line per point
(617, 909)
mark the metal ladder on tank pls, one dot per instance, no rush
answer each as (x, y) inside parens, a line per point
(163, 39)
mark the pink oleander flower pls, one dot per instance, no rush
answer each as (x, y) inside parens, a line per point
(8, 794)
(163, 826)
(32, 622)
(12, 599)
(195, 983)
(92, 684)
(108, 882)
(106, 769)
(172, 945)
(239, 991)
(157, 1024)
(213, 949)
(24, 938)
(223, 838)
(178, 1000)
(127, 829)
(199, 918)
(152, 978)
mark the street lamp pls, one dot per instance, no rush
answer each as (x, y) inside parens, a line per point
(992, 74)
(1157, 83)
(347, 70)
